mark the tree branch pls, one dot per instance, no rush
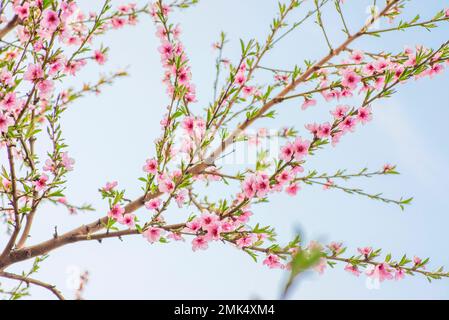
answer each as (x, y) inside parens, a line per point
(15, 205)
(28, 281)
(9, 27)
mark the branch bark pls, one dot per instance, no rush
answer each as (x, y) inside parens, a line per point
(9, 27)
(14, 201)
(47, 286)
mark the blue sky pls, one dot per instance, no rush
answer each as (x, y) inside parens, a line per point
(110, 136)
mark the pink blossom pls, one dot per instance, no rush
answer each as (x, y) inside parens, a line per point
(357, 56)
(213, 231)
(188, 124)
(350, 79)
(256, 185)
(330, 95)
(45, 87)
(66, 161)
(6, 184)
(100, 57)
(381, 64)
(244, 217)
(153, 204)
(418, 261)
(199, 243)
(73, 67)
(41, 183)
(34, 72)
(292, 189)
(150, 166)
(68, 8)
(166, 186)
(161, 33)
(366, 251)
(369, 69)
(55, 67)
(240, 78)
(228, 226)
(118, 22)
(63, 200)
(284, 177)
(329, 183)
(301, 148)
(50, 20)
(128, 219)
(9, 101)
(124, 8)
(116, 212)
(313, 128)
(245, 241)
(379, 83)
(381, 271)
(249, 188)
(38, 45)
(180, 198)
(49, 165)
(208, 220)
(388, 167)
(411, 62)
(346, 93)
(282, 78)
(308, 103)
(335, 247)
(297, 169)
(110, 186)
(352, 269)
(247, 91)
(398, 72)
(321, 266)
(153, 234)
(435, 69)
(324, 130)
(6, 77)
(175, 236)
(176, 174)
(184, 76)
(287, 152)
(22, 11)
(24, 35)
(272, 261)
(340, 112)
(262, 184)
(348, 124)
(364, 114)
(399, 274)
(194, 225)
(73, 41)
(166, 50)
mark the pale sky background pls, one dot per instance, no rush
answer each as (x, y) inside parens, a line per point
(111, 135)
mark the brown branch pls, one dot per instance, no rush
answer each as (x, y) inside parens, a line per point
(14, 203)
(26, 231)
(9, 27)
(28, 281)
(119, 234)
(29, 152)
